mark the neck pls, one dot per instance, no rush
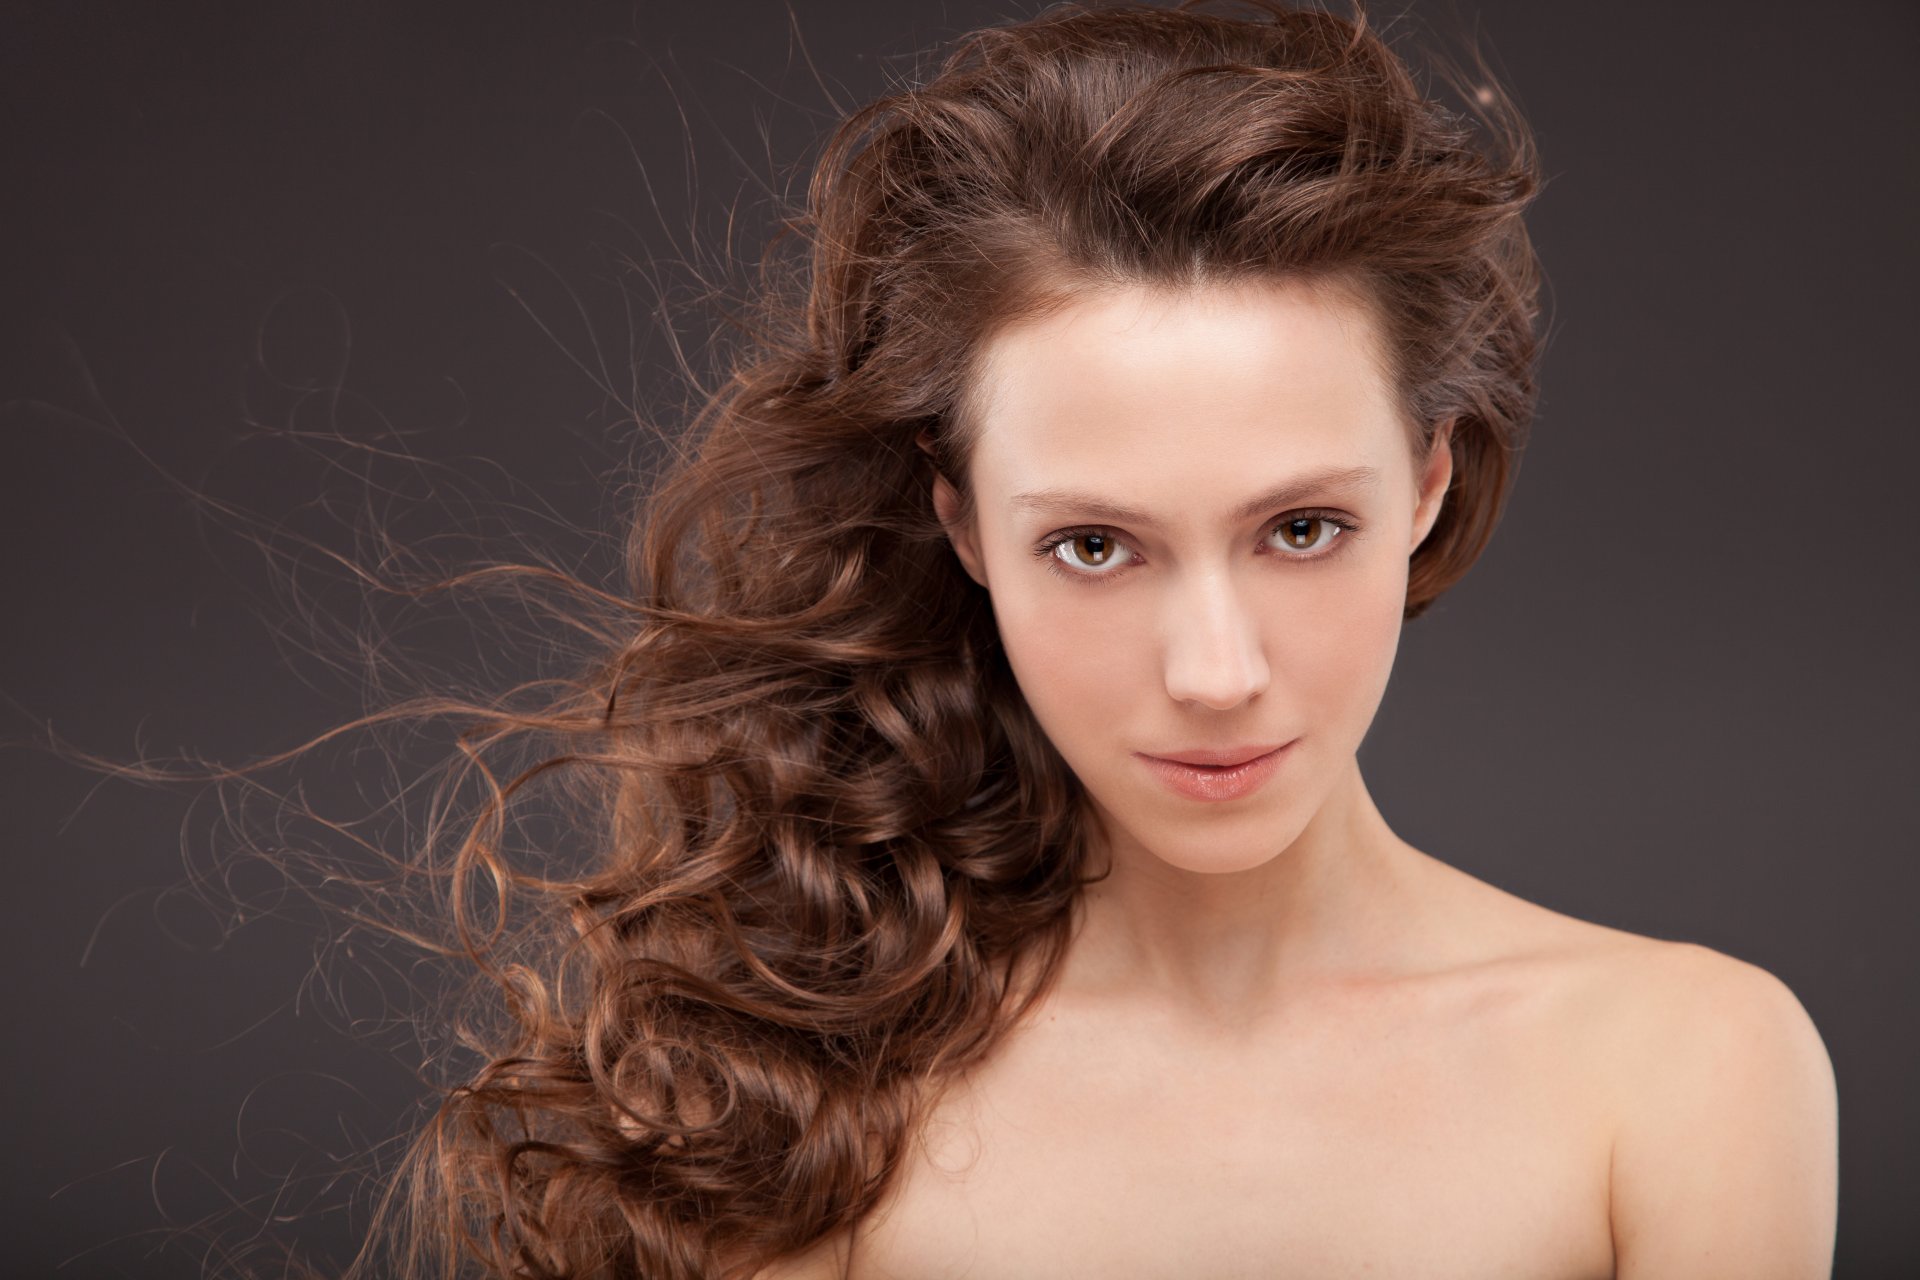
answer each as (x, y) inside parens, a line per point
(1228, 948)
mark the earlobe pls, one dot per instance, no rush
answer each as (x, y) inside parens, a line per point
(1436, 476)
(946, 505)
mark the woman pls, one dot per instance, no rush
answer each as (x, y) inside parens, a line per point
(989, 886)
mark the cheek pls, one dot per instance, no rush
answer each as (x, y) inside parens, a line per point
(1078, 660)
(1337, 656)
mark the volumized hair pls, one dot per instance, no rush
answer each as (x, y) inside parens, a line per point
(833, 857)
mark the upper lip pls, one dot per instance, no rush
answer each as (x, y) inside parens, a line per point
(1217, 755)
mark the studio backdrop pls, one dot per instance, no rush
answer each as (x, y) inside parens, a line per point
(280, 274)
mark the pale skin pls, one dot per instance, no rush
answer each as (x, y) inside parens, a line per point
(1285, 1042)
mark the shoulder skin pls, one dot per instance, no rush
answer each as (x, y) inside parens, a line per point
(1726, 1154)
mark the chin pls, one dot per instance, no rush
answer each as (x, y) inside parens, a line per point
(1229, 843)
(1217, 861)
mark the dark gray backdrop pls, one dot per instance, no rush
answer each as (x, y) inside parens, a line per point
(1670, 698)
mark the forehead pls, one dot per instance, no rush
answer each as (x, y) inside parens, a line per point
(1140, 389)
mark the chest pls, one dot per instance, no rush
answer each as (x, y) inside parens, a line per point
(1395, 1143)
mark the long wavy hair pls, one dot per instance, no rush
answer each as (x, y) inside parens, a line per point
(832, 858)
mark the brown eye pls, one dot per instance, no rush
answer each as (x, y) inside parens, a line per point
(1308, 533)
(1086, 555)
(1100, 545)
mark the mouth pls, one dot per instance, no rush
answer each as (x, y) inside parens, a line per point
(1217, 781)
(1216, 757)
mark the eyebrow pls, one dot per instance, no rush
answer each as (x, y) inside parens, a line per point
(1288, 492)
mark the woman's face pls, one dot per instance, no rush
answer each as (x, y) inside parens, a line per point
(1193, 514)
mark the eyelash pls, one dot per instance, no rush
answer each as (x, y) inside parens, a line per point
(1054, 541)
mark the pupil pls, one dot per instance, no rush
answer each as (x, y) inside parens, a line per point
(1297, 530)
(1099, 544)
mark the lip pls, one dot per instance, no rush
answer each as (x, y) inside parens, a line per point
(1217, 756)
(1219, 782)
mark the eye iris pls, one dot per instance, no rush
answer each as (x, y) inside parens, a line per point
(1103, 551)
(1296, 531)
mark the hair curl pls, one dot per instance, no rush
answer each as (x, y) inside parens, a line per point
(835, 857)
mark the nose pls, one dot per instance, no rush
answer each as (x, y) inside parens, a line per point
(1214, 653)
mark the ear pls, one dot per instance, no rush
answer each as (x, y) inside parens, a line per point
(1436, 473)
(966, 545)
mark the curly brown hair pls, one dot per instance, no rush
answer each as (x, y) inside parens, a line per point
(833, 856)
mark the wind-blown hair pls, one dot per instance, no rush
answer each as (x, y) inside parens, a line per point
(837, 857)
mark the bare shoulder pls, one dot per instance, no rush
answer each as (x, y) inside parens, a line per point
(1713, 1082)
(1725, 1158)
(1655, 1014)
(1725, 1152)
(1631, 988)
(1675, 1014)
(1689, 989)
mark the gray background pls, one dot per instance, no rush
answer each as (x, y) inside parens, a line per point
(1669, 698)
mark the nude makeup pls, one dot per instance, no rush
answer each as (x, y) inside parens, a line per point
(1216, 782)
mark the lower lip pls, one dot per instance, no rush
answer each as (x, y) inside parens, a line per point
(1200, 782)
